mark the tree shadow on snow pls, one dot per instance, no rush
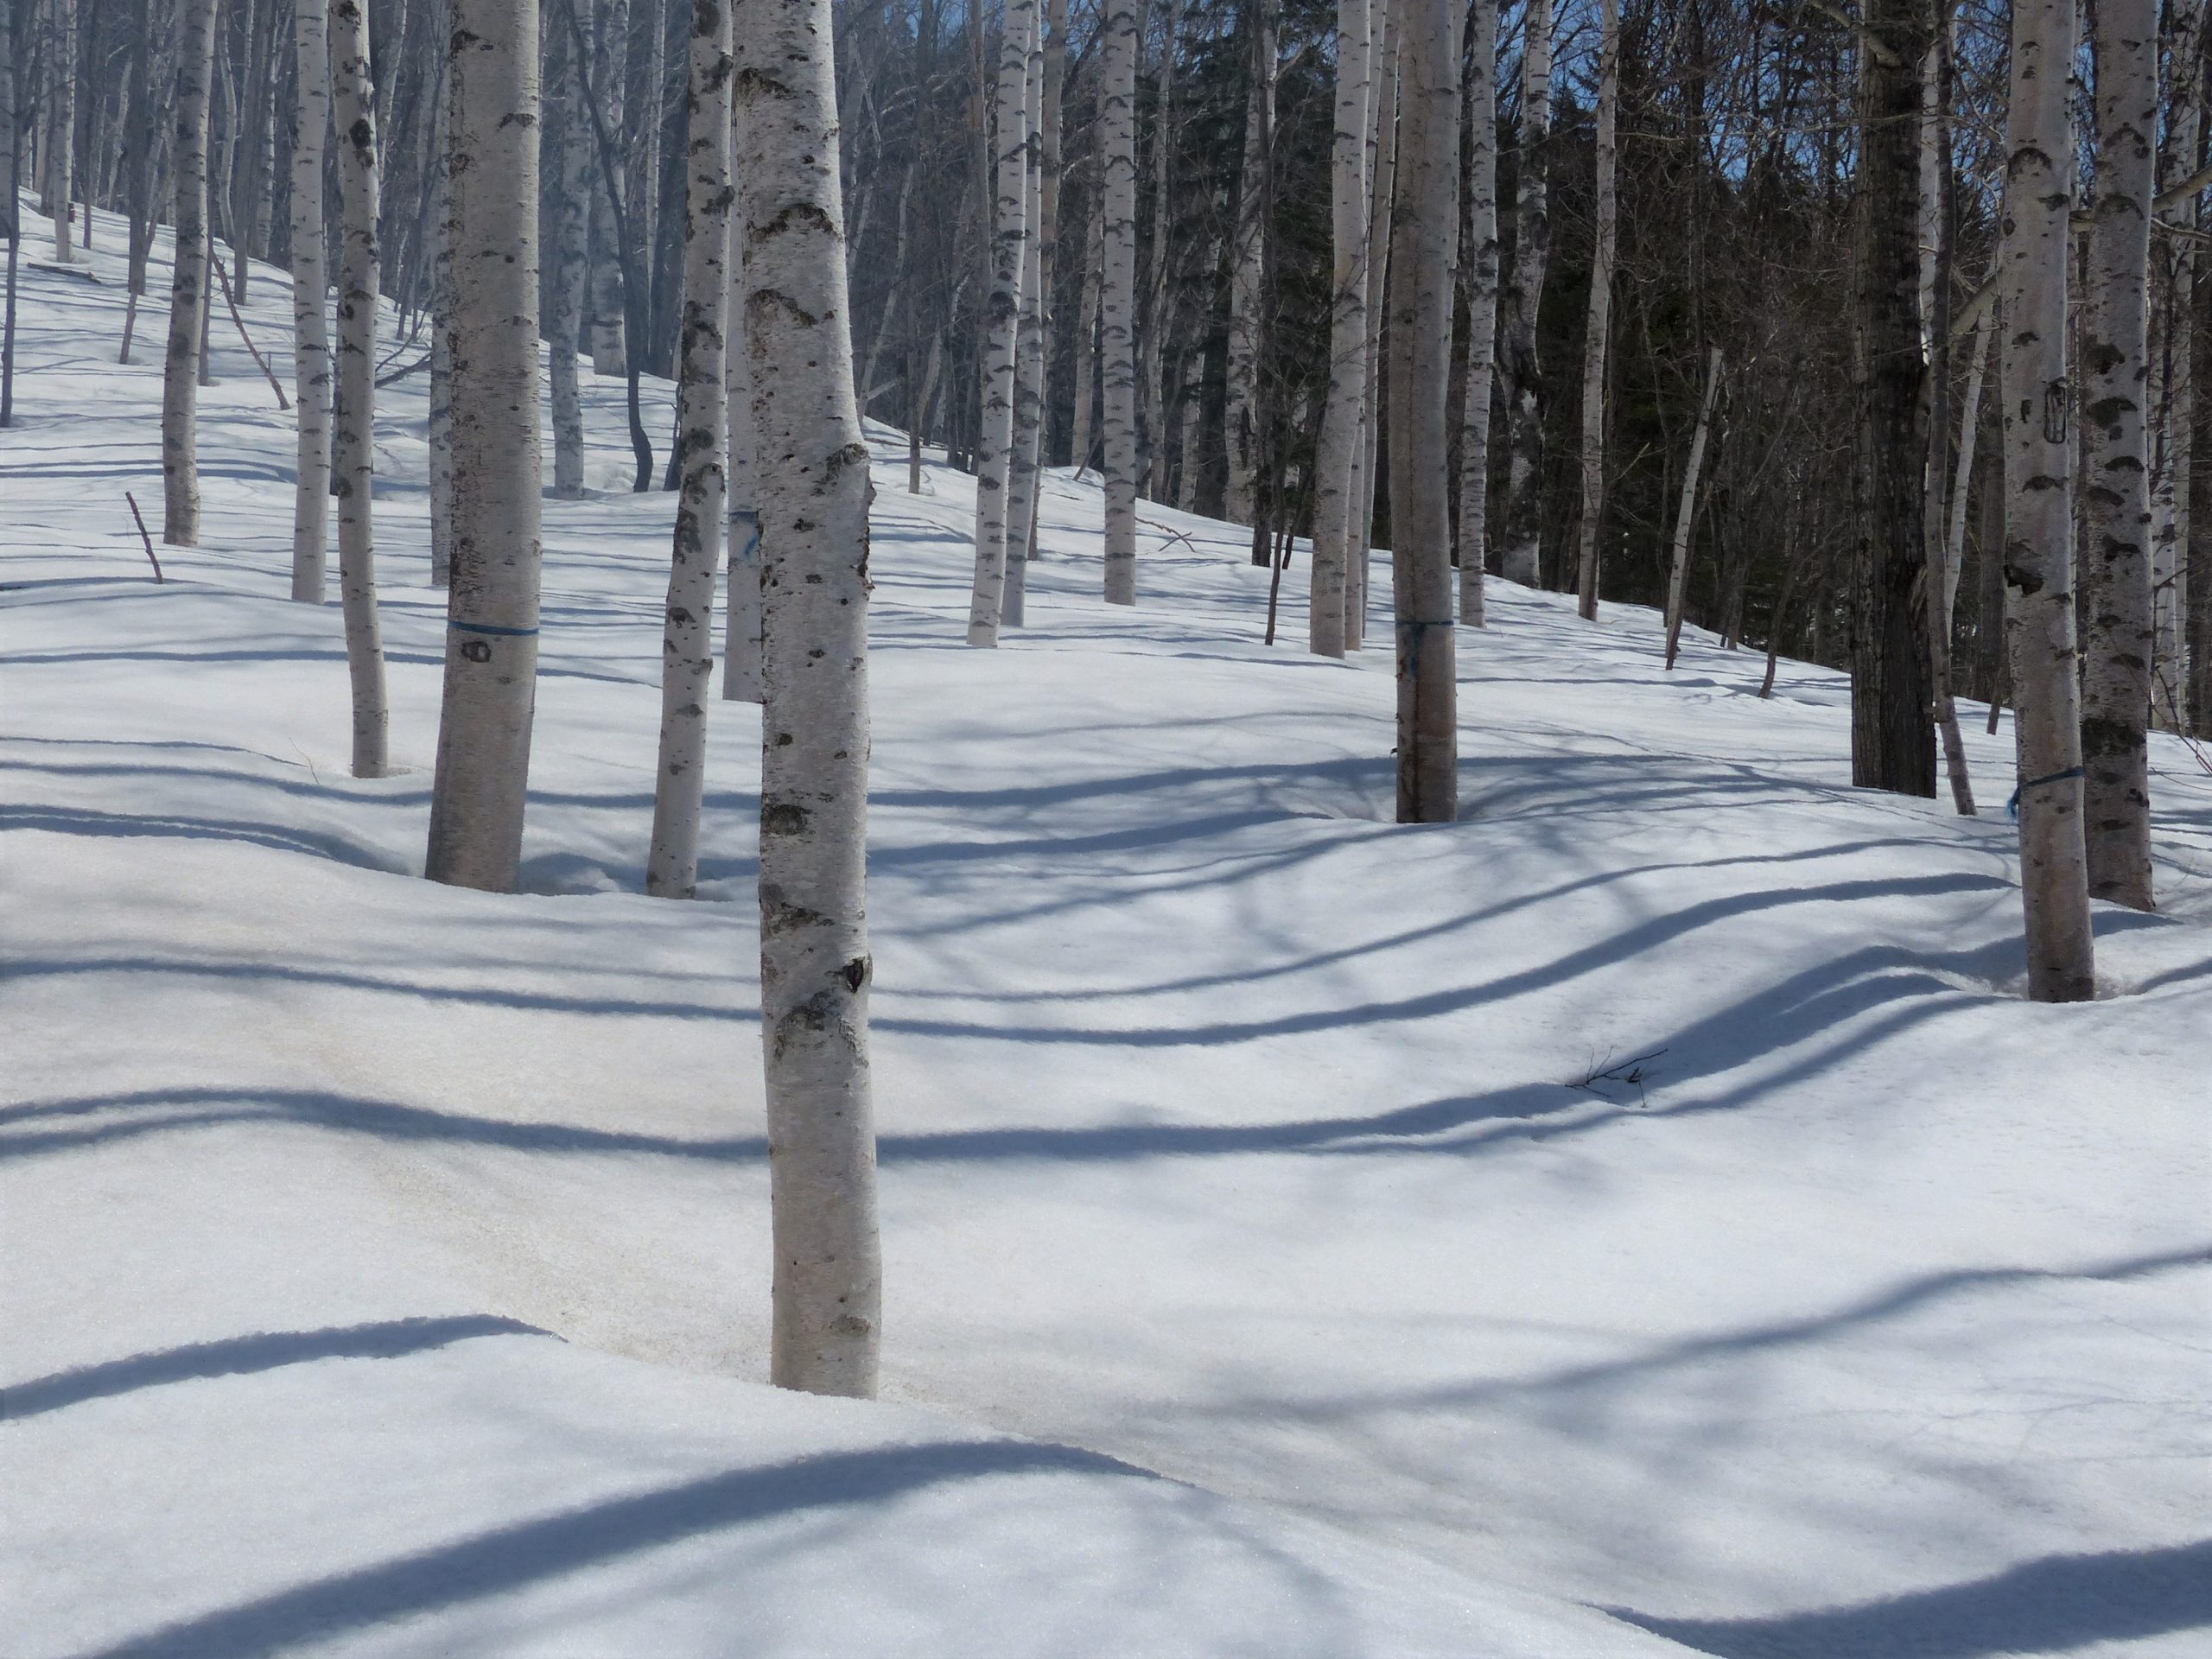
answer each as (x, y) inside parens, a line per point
(510, 1559)
(264, 1351)
(2052, 1605)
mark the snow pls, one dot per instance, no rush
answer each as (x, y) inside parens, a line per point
(1267, 1271)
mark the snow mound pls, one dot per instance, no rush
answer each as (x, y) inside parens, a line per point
(1641, 1216)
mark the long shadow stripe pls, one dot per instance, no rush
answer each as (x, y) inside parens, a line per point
(512, 1558)
(264, 1351)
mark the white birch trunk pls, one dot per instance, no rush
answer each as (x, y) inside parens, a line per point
(188, 287)
(2175, 404)
(1117, 358)
(1248, 267)
(484, 725)
(1425, 235)
(2117, 636)
(1983, 347)
(1480, 257)
(687, 663)
(994, 446)
(353, 438)
(61, 91)
(571, 260)
(814, 954)
(1597, 331)
(310, 302)
(1029, 358)
(609, 352)
(440, 424)
(1086, 340)
(1342, 433)
(742, 630)
(1678, 570)
(2038, 487)
(1152, 338)
(1382, 186)
(1520, 552)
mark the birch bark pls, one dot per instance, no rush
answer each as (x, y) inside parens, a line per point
(1479, 258)
(1029, 356)
(1678, 572)
(1117, 135)
(1520, 546)
(742, 630)
(1152, 336)
(196, 61)
(310, 301)
(1982, 349)
(994, 446)
(2039, 527)
(1086, 340)
(1596, 333)
(570, 157)
(484, 725)
(688, 639)
(1248, 268)
(1344, 412)
(814, 954)
(61, 109)
(2172, 575)
(353, 438)
(1382, 188)
(2117, 636)
(441, 425)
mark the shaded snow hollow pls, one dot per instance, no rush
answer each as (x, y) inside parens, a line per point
(1267, 1273)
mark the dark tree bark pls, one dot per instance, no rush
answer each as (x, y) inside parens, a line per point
(1892, 738)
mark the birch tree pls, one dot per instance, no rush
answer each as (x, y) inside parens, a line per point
(2116, 635)
(1424, 233)
(1382, 188)
(1248, 256)
(1479, 260)
(994, 447)
(1678, 570)
(1520, 547)
(569, 153)
(687, 640)
(1029, 354)
(2038, 530)
(814, 954)
(441, 422)
(1343, 415)
(195, 58)
(1117, 358)
(2177, 589)
(490, 670)
(1598, 330)
(742, 630)
(1936, 85)
(1151, 333)
(310, 301)
(61, 114)
(353, 436)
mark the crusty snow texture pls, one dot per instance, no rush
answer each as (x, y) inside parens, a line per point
(386, 1263)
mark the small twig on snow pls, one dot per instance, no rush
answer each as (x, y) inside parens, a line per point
(143, 536)
(1632, 1073)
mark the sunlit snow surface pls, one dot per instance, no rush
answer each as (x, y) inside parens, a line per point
(386, 1265)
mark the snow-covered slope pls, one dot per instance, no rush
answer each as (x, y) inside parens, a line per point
(386, 1265)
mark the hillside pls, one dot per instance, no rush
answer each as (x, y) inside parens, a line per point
(1279, 1256)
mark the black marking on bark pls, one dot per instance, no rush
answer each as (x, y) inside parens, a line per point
(856, 973)
(783, 818)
